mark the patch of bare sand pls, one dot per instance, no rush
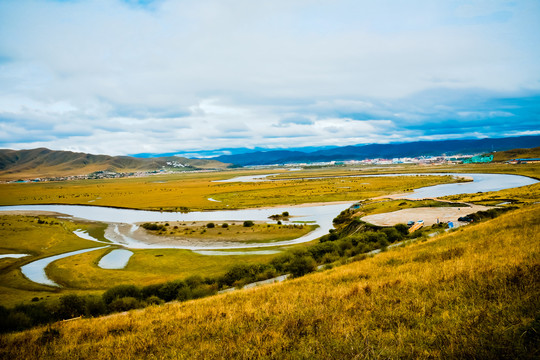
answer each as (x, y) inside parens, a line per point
(430, 215)
(143, 238)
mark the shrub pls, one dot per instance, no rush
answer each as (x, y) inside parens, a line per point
(95, 306)
(318, 251)
(153, 226)
(281, 262)
(184, 293)
(169, 290)
(210, 225)
(194, 281)
(15, 321)
(71, 306)
(203, 291)
(154, 300)
(248, 223)
(242, 273)
(150, 290)
(392, 234)
(402, 229)
(121, 291)
(224, 225)
(38, 313)
(301, 265)
(124, 304)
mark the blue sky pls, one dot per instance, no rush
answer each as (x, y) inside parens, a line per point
(125, 77)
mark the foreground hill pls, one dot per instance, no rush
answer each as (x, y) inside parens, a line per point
(361, 152)
(471, 293)
(50, 163)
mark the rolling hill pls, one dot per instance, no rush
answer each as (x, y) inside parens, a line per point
(517, 154)
(43, 162)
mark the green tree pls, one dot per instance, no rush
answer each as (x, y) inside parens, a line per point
(121, 291)
(71, 306)
(301, 265)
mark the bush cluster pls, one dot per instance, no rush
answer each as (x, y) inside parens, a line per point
(154, 226)
(116, 299)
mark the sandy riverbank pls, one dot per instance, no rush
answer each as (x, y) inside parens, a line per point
(430, 215)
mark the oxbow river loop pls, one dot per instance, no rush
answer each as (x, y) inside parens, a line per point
(123, 222)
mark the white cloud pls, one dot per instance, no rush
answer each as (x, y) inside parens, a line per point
(193, 75)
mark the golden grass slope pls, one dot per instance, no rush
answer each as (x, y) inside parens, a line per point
(517, 153)
(472, 293)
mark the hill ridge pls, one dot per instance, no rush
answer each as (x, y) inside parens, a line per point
(394, 150)
(43, 162)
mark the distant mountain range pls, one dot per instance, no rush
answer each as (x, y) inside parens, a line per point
(50, 163)
(361, 152)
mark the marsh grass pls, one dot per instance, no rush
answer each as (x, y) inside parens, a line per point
(472, 293)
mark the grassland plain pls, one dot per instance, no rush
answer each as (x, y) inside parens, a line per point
(184, 192)
(471, 293)
(39, 237)
(46, 236)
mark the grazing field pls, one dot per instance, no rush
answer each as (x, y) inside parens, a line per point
(188, 192)
(459, 295)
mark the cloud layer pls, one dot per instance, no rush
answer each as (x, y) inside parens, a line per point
(127, 77)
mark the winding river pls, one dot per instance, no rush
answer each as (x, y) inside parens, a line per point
(122, 228)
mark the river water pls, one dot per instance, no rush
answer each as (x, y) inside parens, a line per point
(320, 214)
(35, 271)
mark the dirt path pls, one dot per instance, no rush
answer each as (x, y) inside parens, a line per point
(428, 214)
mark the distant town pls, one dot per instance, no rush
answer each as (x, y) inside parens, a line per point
(177, 167)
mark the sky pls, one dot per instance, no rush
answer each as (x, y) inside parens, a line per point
(192, 77)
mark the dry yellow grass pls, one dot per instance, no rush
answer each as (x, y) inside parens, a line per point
(472, 293)
(191, 191)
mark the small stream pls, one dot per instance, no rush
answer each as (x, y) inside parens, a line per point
(35, 271)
